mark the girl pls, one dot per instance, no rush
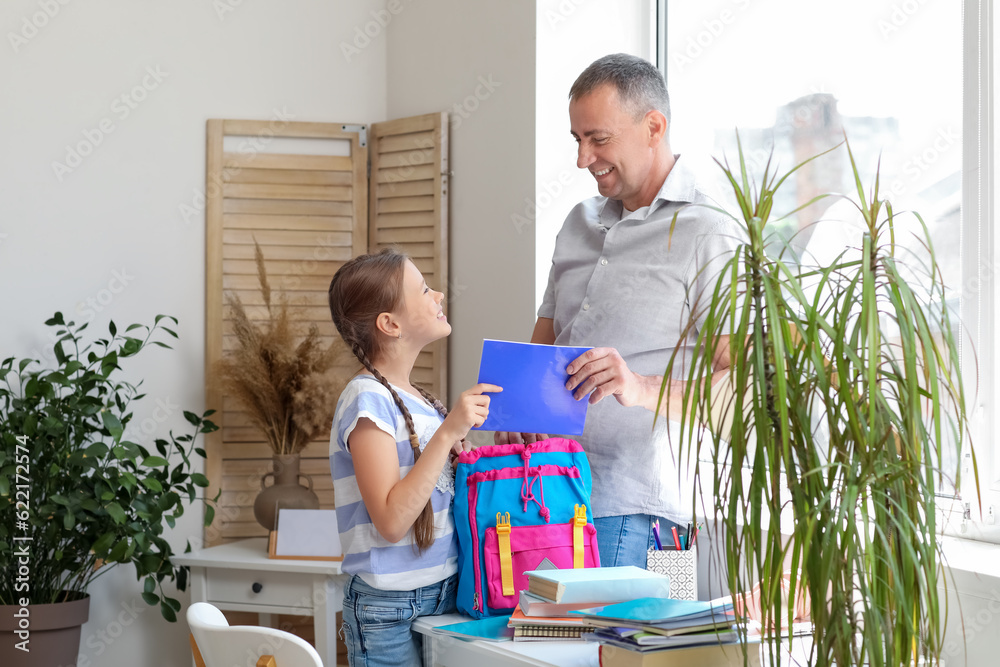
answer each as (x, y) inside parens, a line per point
(389, 452)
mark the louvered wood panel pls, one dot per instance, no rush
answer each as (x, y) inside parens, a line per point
(408, 188)
(309, 214)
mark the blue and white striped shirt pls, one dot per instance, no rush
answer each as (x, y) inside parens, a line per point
(377, 561)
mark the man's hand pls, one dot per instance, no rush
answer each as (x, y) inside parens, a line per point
(456, 449)
(601, 372)
(505, 438)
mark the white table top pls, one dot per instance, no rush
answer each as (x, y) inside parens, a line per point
(251, 554)
(541, 654)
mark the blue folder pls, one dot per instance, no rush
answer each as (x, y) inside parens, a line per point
(534, 397)
(492, 629)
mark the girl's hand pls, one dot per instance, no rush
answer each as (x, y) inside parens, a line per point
(471, 409)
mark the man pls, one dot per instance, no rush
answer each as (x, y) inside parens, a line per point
(622, 283)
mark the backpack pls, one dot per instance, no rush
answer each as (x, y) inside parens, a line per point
(516, 505)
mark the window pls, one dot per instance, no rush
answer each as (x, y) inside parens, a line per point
(909, 83)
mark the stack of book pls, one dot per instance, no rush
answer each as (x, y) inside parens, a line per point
(667, 632)
(544, 610)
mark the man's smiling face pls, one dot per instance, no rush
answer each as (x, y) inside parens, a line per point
(616, 148)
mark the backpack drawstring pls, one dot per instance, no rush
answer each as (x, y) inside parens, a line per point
(526, 486)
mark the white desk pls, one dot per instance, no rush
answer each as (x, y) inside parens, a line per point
(240, 577)
(446, 651)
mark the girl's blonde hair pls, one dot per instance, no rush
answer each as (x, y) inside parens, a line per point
(360, 291)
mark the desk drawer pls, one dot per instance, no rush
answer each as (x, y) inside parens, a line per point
(275, 588)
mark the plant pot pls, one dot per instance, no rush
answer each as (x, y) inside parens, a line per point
(52, 632)
(285, 493)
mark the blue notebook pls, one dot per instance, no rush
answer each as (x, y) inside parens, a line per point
(661, 610)
(534, 397)
(491, 629)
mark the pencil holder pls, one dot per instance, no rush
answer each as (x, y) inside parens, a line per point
(680, 566)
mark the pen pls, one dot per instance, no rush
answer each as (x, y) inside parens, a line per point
(683, 544)
(687, 539)
(677, 539)
(656, 535)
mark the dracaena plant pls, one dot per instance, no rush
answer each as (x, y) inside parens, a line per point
(831, 423)
(76, 496)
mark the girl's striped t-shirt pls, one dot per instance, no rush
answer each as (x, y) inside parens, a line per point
(377, 561)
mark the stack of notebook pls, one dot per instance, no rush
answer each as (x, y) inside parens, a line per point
(544, 609)
(651, 624)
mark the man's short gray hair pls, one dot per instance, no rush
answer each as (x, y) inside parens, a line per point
(640, 85)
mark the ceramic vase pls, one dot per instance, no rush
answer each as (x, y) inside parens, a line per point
(286, 492)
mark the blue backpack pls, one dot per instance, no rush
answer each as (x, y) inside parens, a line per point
(516, 505)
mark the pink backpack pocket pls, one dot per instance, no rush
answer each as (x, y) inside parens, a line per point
(529, 545)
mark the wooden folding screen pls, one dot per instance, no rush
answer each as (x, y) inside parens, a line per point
(309, 213)
(409, 210)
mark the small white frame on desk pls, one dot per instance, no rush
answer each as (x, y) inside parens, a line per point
(240, 577)
(446, 651)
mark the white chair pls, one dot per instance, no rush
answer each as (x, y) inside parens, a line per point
(222, 645)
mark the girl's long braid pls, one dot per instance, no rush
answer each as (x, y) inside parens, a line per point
(423, 527)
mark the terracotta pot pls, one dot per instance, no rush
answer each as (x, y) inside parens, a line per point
(285, 493)
(51, 633)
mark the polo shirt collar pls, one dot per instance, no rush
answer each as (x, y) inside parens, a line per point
(679, 186)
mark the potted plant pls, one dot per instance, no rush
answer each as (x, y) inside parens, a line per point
(76, 496)
(844, 385)
(287, 382)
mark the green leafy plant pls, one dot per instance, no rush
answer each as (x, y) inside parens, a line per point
(843, 387)
(76, 497)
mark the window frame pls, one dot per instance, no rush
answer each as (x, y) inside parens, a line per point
(966, 516)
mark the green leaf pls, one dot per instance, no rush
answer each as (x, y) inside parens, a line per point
(199, 479)
(151, 484)
(154, 461)
(116, 512)
(69, 521)
(112, 423)
(174, 604)
(149, 597)
(194, 419)
(97, 450)
(109, 364)
(112, 328)
(209, 514)
(167, 612)
(59, 378)
(118, 551)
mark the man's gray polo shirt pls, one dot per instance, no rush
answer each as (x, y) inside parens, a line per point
(615, 283)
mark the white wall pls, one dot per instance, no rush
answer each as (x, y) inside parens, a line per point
(111, 230)
(477, 61)
(571, 35)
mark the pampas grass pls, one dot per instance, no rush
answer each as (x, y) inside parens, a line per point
(284, 378)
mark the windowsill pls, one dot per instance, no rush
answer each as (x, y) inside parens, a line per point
(971, 558)
(971, 563)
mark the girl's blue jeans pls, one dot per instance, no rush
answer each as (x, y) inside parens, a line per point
(376, 628)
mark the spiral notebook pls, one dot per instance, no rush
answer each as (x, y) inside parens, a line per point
(529, 633)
